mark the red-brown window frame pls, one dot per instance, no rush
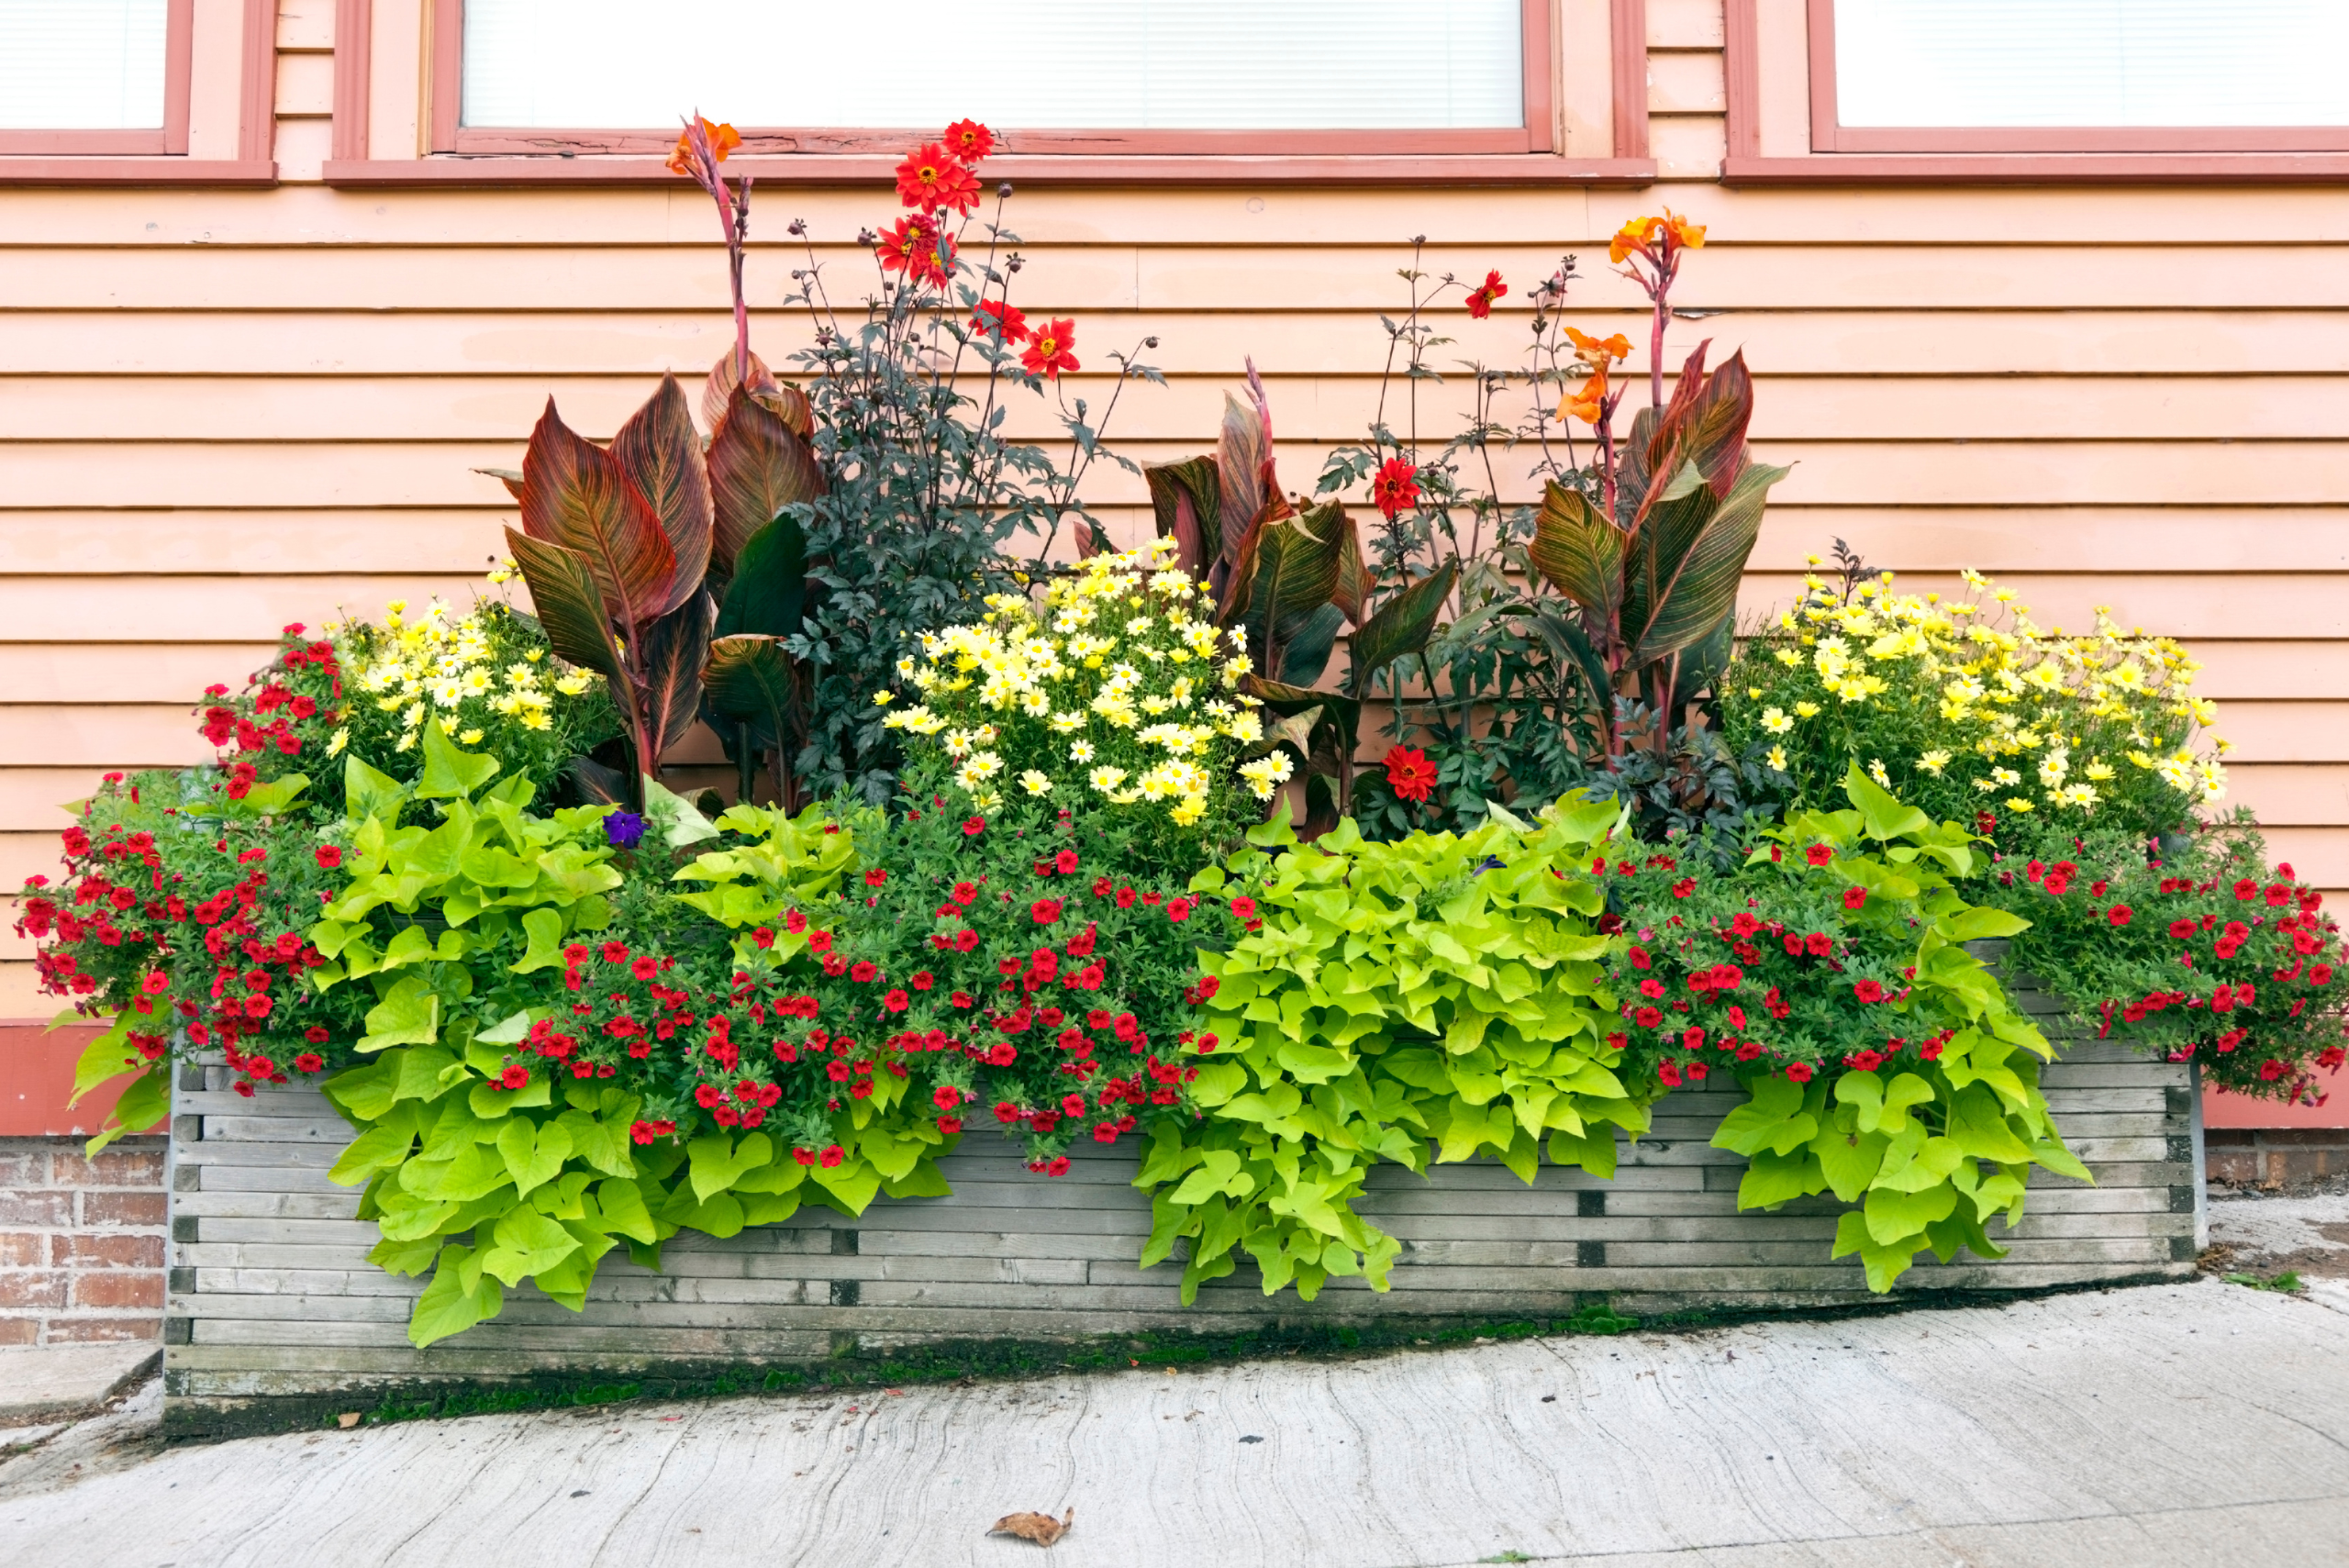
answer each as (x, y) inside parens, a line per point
(1829, 134)
(163, 157)
(449, 135)
(1773, 134)
(169, 139)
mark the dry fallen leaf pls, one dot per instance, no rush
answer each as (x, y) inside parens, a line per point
(1042, 1529)
(347, 1420)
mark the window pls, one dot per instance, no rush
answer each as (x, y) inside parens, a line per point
(2079, 76)
(1151, 76)
(96, 77)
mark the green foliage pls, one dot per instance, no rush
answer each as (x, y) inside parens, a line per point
(2287, 1283)
(2206, 953)
(1884, 1062)
(1441, 991)
(489, 892)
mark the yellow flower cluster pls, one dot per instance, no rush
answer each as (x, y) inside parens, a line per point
(1982, 699)
(445, 666)
(1116, 687)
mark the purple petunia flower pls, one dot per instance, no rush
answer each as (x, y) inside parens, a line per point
(624, 829)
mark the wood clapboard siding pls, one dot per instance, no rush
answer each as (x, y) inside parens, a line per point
(272, 1296)
(222, 411)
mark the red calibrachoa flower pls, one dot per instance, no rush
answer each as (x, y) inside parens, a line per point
(1410, 773)
(1396, 489)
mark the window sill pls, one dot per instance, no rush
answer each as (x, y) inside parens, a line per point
(1428, 168)
(2041, 169)
(95, 170)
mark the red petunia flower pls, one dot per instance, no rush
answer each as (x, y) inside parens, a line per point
(1065, 862)
(1410, 773)
(2119, 914)
(1818, 854)
(330, 856)
(1047, 353)
(1243, 907)
(1044, 911)
(1396, 488)
(1480, 299)
(969, 140)
(1854, 897)
(1800, 1072)
(1868, 991)
(1178, 909)
(972, 829)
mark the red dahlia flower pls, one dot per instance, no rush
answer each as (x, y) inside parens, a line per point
(1480, 299)
(915, 246)
(1396, 487)
(1048, 351)
(1410, 773)
(991, 316)
(930, 178)
(969, 140)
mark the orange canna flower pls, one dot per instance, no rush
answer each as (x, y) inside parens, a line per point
(1633, 236)
(723, 139)
(1597, 351)
(1589, 403)
(1685, 233)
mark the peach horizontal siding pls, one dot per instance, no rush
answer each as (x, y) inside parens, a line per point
(223, 411)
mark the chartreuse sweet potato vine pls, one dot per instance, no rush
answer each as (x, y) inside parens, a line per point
(1885, 1062)
(1441, 993)
(487, 1172)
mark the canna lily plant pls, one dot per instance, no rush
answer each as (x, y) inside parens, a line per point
(1653, 588)
(1288, 576)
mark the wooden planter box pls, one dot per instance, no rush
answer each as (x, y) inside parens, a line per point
(273, 1307)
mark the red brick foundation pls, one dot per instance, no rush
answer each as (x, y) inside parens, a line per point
(82, 1242)
(2277, 1157)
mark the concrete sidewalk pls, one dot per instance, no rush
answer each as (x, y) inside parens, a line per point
(2177, 1425)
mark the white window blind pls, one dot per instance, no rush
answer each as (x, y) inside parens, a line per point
(2092, 63)
(82, 64)
(1035, 64)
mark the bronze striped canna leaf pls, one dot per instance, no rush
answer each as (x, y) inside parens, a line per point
(570, 607)
(1401, 627)
(674, 649)
(758, 466)
(1579, 551)
(574, 496)
(1691, 557)
(660, 453)
(1185, 498)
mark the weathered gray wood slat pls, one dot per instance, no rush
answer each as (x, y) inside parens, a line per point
(272, 1296)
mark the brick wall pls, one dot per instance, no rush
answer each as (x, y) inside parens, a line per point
(81, 1241)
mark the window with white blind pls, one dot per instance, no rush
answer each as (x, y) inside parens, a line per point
(85, 65)
(1140, 74)
(2082, 74)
